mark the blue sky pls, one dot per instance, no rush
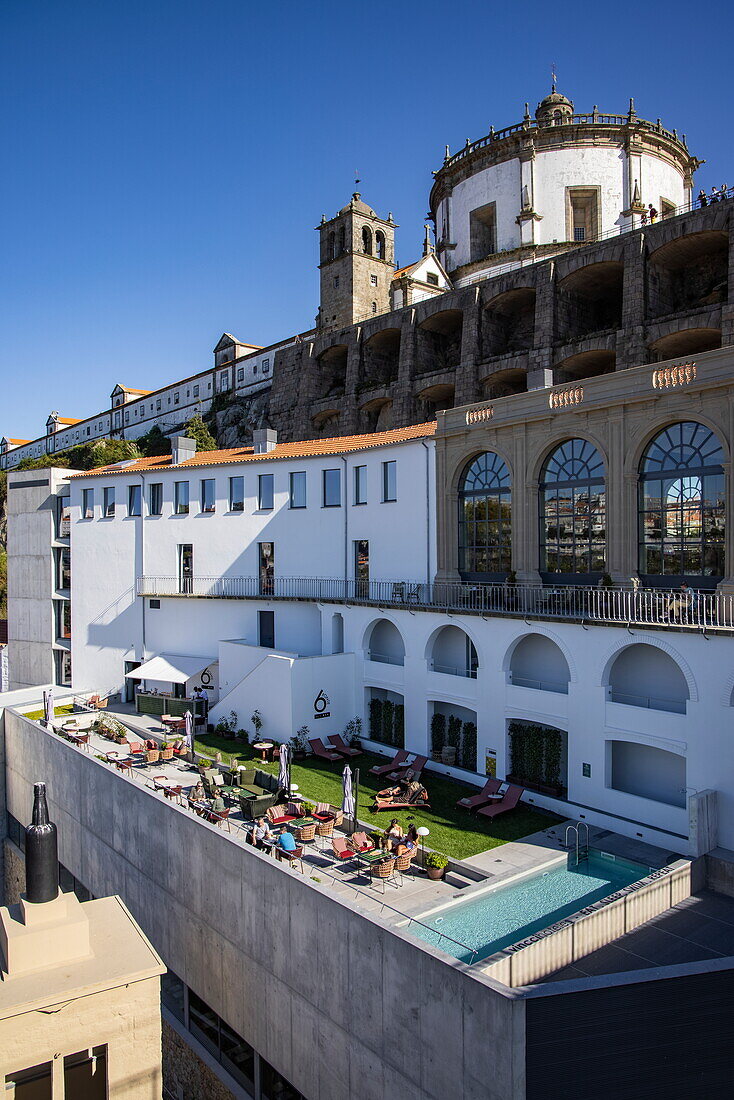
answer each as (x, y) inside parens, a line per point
(165, 162)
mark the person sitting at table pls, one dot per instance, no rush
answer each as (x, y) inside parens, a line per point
(263, 836)
(392, 836)
(218, 804)
(198, 791)
(286, 842)
(409, 843)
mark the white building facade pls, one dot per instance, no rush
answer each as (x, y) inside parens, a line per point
(313, 619)
(556, 179)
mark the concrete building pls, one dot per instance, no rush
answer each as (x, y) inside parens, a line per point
(79, 995)
(39, 578)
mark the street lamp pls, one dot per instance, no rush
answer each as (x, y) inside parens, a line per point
(423, 832)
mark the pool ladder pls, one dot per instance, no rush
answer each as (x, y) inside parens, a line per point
(582, 850)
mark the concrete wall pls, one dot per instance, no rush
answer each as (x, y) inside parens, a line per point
(32, 503)
(338, 1003)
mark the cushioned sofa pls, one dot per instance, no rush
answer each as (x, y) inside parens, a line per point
(258, 792)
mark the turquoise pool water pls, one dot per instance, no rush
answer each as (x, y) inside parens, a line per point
(511, 913)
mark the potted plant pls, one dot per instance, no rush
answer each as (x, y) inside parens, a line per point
(299, 742)
(435, 865)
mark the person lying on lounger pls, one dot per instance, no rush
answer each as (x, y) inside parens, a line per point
(397, 796)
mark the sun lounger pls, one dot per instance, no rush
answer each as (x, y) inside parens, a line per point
(409, 769)
(319, 749)
(509, 802)
(341, 746)
(384, 769)
(483, 798)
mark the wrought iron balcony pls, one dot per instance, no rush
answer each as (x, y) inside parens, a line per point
(707, 611)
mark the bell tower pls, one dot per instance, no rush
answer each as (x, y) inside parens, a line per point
(357, 262)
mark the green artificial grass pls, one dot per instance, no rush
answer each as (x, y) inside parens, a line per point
(34, 715)
(454, 832)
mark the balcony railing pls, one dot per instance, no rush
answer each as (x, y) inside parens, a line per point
(644, 607)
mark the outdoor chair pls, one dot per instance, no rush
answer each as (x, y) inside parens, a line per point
(152, 756)
(417, 800)
(341, 746)
(384, 769)
(473, 802)
(404, 863)
(318, 749)
(360, 842)
(219, 817)
(325, 829)
(296, 856)
(342, 852)
(280, 815)
(415, 767)
(326, 812)
(305, 834)
(167, 753)
(510, 800)
(383, 871)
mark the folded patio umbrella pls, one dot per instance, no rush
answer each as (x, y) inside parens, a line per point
(189, 727)
(284, 771)
(48, 705)
(347, 793)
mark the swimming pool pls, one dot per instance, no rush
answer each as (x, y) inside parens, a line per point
(507, 914)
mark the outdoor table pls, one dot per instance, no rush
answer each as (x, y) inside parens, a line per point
(299, 822)
(371, 857)
(263, 747)
(170, 722)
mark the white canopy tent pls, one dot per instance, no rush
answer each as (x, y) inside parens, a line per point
(170, 667)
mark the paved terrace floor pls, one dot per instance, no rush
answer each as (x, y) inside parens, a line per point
(700, 928)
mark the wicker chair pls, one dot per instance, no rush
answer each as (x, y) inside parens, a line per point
(403, 863)
(383, 871)
(325, 829)
(306, 834)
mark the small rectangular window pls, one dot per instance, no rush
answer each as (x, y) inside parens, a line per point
(176, 398)
(236, 494)
(389, 481)
(267, 568)
(240, 374)
(360, 484)
(265, 492)
(181, 498)
(30, 1084)
(88, 504)
(154, 605)
(159, 404)
(332, 488)
(336, 280)
(208, 494)
(108, 508)
(266, 366)
(127, 419)
(432, 279)
(155, 499)
(85, 1074)
(373, 280)
(298, 489)
(134, 500)
(196, 391)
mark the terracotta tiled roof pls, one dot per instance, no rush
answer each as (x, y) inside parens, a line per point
(131, 389)
(404, 270)
(18, 442)
(67, 420)
(309, 448)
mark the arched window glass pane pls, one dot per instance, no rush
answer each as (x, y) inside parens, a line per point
(682, 517)
(485, 515)
(573, 510)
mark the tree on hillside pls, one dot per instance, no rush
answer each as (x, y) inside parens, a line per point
(154, 443)
(196, 429)
(85, 456)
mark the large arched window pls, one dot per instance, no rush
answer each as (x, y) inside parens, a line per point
(572, 510)
(380, 244)
(367, 240)
(681, 498)
(485, 512)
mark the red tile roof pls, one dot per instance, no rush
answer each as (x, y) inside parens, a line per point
(309, 448)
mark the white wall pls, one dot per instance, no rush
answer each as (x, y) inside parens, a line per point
(554, 170)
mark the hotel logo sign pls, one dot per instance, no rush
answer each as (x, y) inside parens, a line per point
(321, 705)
